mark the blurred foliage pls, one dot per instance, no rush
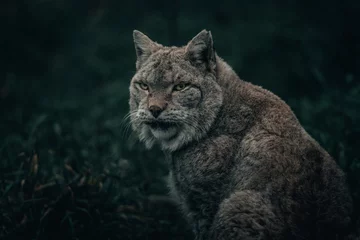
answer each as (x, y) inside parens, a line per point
(70, 167)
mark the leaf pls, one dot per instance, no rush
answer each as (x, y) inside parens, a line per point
(7, 189)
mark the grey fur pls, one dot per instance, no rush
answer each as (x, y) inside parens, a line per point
(242, 166)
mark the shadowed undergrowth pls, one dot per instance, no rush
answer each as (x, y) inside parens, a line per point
(72, 170)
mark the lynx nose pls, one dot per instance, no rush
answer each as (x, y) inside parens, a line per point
(155, 110)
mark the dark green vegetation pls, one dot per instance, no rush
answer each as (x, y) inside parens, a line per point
(69, 166)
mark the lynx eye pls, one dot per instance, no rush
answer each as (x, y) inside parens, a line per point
(143, 86)
(180, 86)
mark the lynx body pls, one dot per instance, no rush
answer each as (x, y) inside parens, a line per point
(242, 167)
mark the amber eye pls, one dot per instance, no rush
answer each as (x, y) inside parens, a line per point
(144, 86)
(180, 86)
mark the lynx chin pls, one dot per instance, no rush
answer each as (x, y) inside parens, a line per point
(241, 165)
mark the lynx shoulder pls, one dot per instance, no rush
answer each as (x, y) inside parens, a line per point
(242, 166)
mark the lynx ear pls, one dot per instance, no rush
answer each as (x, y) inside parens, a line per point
(144, 47)
(200, 50)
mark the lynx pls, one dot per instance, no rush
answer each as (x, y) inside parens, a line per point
(241, 165)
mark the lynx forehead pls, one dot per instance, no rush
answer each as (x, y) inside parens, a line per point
(174, 97)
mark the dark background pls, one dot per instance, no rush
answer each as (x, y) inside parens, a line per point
(70, 167)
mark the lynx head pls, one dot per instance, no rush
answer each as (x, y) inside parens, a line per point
(174, 95)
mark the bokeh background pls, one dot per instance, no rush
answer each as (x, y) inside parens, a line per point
(70, 167)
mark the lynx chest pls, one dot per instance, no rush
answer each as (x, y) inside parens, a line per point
(199, 176)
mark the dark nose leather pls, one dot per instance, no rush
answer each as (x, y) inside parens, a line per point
(155, 110)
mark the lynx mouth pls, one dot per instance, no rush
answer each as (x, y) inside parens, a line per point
(161, 125)
(163, 131)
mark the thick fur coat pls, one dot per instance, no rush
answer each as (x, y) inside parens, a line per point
(242, 166)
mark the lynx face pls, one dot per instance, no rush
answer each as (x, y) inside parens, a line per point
(174, 97)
